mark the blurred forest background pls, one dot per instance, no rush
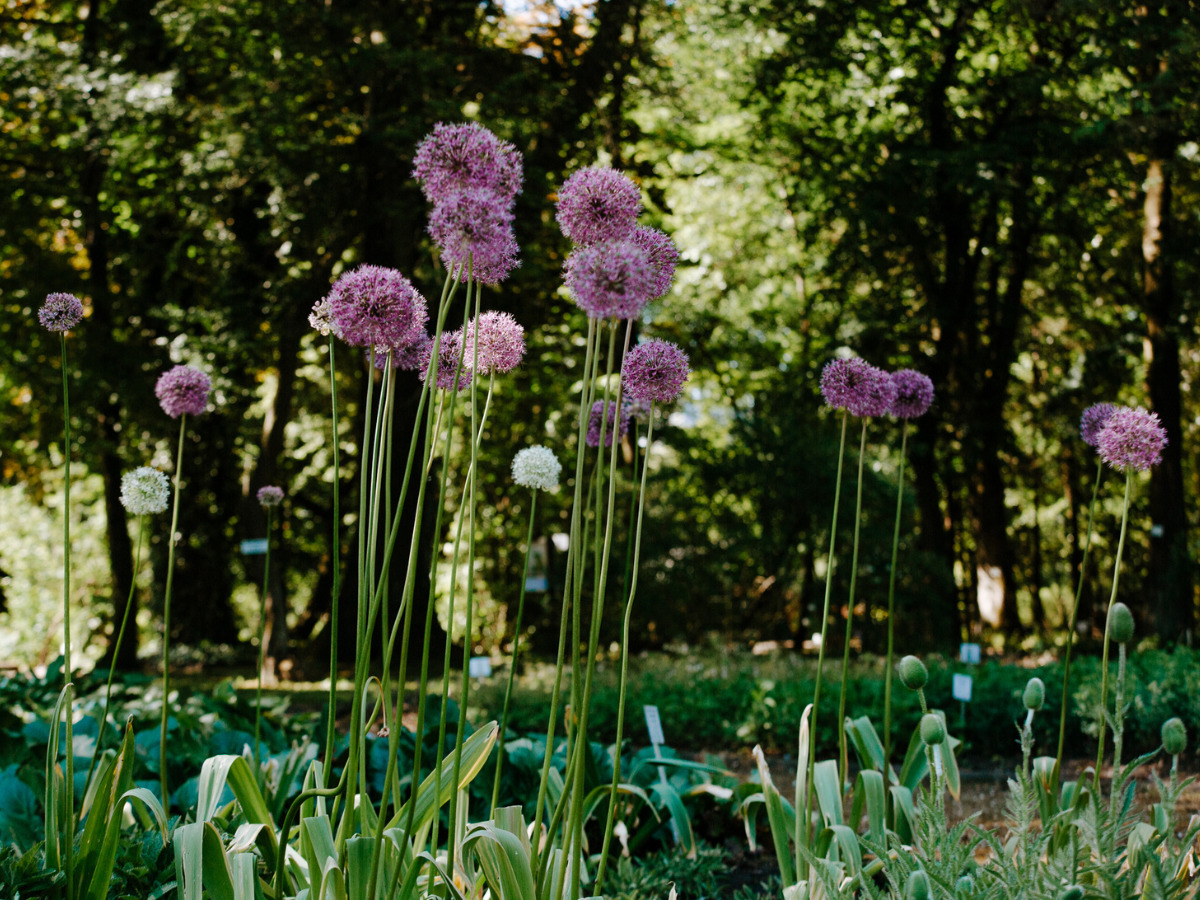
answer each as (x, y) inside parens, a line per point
(1000, 194)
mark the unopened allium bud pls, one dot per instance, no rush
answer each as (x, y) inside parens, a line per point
(145, 491)
(917, 886)
(1120, 623)
(933, 730)
(913, 673)
(1035, 694)
(1174, 736)
(270, 495)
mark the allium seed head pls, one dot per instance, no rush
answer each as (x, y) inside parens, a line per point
(145, 491)
(501, 344)
(536, 467)
(663, 256)
(183, 391)
(654, 372)
(476, 227)
(610, 280)
(60, 312)
(593, 432)
(376, 305)
(914, 394)
(598, 204)
(269, 495)
(1094, 418)
(1132, 438)
(449, 354)
(466, 157)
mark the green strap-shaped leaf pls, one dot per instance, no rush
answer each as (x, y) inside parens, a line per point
(776, 819)
(56, 798)
(201, 864)
(870, 795)
(683, 822)
(504, 860)
(828, 786)
(866, 744)
(218, 771)
(904, 813)
(475, 752)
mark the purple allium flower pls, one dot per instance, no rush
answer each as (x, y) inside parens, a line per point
(449, 354)
(875, 396)
(475, 226)
(319, 317)
(536, 467)
(376, 305)
(637, 409)
(501, 343)
(410, 357)
(60, 312)
(145, 491)
(654, 371)
(914, 393)
(610, 280)
(269, 495)
(183, 391)
(1132, 438)
(842, 380)
(466, 157)
(598, 204)
(1093, 420)
(593, 432)
(662, 254)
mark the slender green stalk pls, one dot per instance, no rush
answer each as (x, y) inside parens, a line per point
(841, 720)
(891, 609)
(803, 825)
(624, 676)
(1118, 724)
(516, 653)
(335, 560)
(262, 650)
(67, 669)
(166, 626)
(1087, 546)
(1107, 622)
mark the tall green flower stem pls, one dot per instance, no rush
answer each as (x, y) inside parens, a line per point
(166, 625)
(335, 561)
(1107, 626)
(1087, 546)
(891, 607)
(67, 669)
(516, 652)
(1118, 723)
(803, 825)
(841, 719)
(262, 650)
(624, 676)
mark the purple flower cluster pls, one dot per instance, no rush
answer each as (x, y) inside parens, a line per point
(1131, 438)
(448, 357)
(662, 254)
(593, 432)
(183, 391)
(598, 204)
(60, 312)
(501, 343)
(654, 372)
(610, 280)
(914, 394)
(855, 385)
(1094, 418)
(473, 230)
(411, 357)
(373, 305)
(269, 495)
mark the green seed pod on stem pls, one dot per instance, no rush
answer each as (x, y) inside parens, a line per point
(913, 673)
(917, 886)
(1174, 736)
(1120, 623)
(932, 730)
(1035, 694)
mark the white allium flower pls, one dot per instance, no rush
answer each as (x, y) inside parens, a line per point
(319, 317)
(536, 467)
(144, 491)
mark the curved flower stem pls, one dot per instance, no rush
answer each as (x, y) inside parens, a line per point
(891, 608)
(262, 650)
(335, 558)
(1087, 546)
(1104, 656)
(166, 626)
(624, 676)
(803, 825)
(516, 651)
(841, 721)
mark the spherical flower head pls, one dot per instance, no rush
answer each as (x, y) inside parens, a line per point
(536, 467)
(876, 395)
(1174, 736)
(448, 356)
(598, 204)
(466, 156)
(183, 391)
(842, 380)
(269, 495)
(410, 357)
(145, 491)
(476, 227)
(1094, 418)
(610, 280)
(655, 372)
(1132, 438)
(501, 343)
(376, 305)
(60, 312)
(319, 317)
(1035, 694)
(914, 394)
(638, 409)
(593, 432)
(663, 256)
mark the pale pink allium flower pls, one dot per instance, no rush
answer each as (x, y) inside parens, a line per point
(663, 256)
(269, 495)
(183, 391)
(1094, 418)
(914, 394)
(593, 432)
(60, 312)
(376, 305)
(654, 372)
(449, 354)
(610, 280)
(501, 343)
(1132, 438)
(463, 157)
(598, 204)
(475, 226)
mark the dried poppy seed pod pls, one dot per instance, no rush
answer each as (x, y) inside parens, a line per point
(917, 886)
(1120, 623)
(913, 673)
(932, 730)
(1035, 694)
(1174, 736)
